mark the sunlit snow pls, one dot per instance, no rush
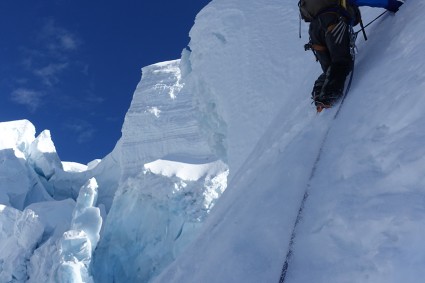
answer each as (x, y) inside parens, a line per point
(218, 150)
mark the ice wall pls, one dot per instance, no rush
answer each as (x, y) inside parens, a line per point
(162, 122)
(171, 178)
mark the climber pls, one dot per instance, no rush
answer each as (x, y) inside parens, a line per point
(329, 32)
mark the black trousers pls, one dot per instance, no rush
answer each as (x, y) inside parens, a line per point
(330, 36)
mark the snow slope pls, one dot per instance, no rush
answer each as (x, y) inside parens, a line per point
(218, 151)
(364, 218)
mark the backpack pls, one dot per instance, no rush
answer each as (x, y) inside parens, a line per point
(309, 9)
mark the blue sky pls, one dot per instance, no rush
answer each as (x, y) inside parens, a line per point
(71, 66)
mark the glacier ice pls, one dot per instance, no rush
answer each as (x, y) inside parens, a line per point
(20, 232)
(171, 178)
(77, 244)
(66, 257)
(42, 155)
(163, 177)
(233, 114)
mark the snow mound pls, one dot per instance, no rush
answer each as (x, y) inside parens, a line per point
(184, 171)
(74, 167)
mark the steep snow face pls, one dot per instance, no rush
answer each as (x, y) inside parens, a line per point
(238, 50)
(367, 205)
(364, 214)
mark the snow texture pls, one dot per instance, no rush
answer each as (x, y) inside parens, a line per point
(218, 150)
(364, 216)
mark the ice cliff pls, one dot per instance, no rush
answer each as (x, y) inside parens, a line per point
(171, 177)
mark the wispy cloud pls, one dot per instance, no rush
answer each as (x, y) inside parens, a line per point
(58, 39)
(53, 53)
(49, 74)
(68, 41)
(30, 98)
(51, 56)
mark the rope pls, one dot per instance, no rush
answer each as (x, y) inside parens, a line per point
(290, 252)
(371, 22)
(313, 171)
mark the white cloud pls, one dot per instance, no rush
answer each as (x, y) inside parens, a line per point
(68, 41)
(49, 73)
(53, 53)
(58, 39)
(30, 98)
